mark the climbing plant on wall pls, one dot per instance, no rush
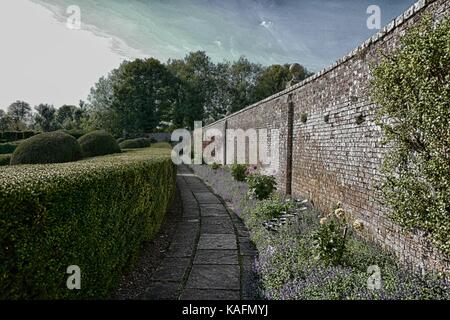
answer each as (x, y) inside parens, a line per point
(412, 89)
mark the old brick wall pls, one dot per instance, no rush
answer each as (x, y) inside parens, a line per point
(336, 153)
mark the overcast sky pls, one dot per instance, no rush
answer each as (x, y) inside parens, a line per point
(41, 60)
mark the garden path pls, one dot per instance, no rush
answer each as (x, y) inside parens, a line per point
(210, 256)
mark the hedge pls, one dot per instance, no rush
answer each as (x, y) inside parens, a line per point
(95, 214)
(5, 159)
(9, 136)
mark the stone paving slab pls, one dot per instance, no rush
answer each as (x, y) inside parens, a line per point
(217, 242)
(217, 225)
(214, 277)
(180, 250)
(172, 269)
(213, 210)
(216, 257)
(199, 294)
(206, 198)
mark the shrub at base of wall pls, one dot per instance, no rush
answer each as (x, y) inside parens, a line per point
(94, 214)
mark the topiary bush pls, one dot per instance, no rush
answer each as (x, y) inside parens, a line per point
(135, 143)
(50, 147)
(94, 213)
(412, 89)
(98, 143)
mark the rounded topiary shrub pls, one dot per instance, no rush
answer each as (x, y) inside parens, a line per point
(51, 147)
(135, 143)
(98, 143)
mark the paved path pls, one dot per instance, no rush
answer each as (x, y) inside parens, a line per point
(210, 256)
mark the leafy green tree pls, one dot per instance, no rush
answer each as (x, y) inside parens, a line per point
(20, 113)
(45, 117)
(144, 93)
(101, 114)
(243, 76)
(411, 86)
(5, 121)
(196, 73)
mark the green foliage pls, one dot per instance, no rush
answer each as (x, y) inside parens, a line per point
(45, 117)
(216, 166)
(50, 147)
(19, 112)
(271, 208)
(12, 136)
(5, 159)
(239, 172)
(330, 239)
(94, 213)
(9, 147)
(144, 94)
(98, 143)
(135, 143)
(412, 89)
(260, 186)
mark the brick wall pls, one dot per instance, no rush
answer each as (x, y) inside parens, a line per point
(337, 153)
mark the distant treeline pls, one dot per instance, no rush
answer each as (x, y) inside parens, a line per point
(146, 95)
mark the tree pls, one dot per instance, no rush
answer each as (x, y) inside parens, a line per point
(45, 117)
(144, 93)
(196, 72)
(20, 113)
(5, 121)
(272, 80)
(411, 87)
(243, 76)
(101, 114)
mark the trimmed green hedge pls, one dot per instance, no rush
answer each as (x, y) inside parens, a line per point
(98, 143)
(48, 147)
(95, 214)
(5, 159)
(9, 136)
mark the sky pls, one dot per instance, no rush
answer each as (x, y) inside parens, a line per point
(44, 61)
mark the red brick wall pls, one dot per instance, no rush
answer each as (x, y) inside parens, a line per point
(339, 160)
